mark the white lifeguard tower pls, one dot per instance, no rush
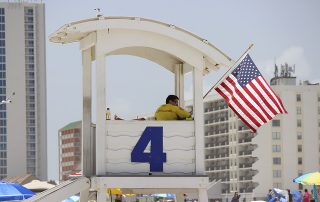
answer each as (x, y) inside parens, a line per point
(120, 157)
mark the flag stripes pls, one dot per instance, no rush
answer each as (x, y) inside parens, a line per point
(250, 96)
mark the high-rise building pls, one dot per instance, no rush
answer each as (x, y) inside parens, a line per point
(23, 123)
(289, 145)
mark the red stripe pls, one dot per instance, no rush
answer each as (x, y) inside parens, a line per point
(222, 94)
(253, 108)
(269, 95)
(240, 106)
(282, 107)
(265, 101)
(257, 102)
(244, 121)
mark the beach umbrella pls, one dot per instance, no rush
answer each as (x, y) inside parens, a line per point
(308, 179)
(296, 195)
(12, 191)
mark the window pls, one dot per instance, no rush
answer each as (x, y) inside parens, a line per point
(1, 11)
(276, 123)
(299, 135)
(276, 160)
(276, 173)
(299, 148)
(298, 97)
(276, 136)
(299, 123)
(300, 161)
(276, 148)
(278, 185)
(298, 110)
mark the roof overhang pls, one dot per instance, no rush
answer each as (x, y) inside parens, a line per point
(166, 53)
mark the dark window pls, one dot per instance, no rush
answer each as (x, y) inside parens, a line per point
(299, 135)
(298, 97)
(29, 11)
(299, 123)
(276, 123)
(2, 43)
(277, 160)
(1, 11)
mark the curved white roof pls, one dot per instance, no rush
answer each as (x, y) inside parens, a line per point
(159, 42)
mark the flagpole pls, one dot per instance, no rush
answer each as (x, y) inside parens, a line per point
(230, 69)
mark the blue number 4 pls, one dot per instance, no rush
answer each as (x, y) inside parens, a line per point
(156, 157)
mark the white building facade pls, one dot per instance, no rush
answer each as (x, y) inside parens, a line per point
(23, 129)
(281, 150)
(288, 146)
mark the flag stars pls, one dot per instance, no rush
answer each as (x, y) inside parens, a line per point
(246, 71)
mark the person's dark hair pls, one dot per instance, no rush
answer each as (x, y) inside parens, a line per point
(171, 98)
(305, 190)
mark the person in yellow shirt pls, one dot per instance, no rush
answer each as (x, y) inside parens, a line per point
(171, 110)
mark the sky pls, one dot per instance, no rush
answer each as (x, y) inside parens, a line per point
(281, 31)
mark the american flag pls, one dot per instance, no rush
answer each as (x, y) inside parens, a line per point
(249, 95)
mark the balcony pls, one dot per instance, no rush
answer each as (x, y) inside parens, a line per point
(245, 153)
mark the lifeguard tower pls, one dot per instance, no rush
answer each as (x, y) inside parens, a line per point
(142, 156)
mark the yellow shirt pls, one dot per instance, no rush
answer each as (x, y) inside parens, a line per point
(171, 112)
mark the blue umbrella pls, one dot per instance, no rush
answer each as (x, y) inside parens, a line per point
(11, 191)
(296, 195)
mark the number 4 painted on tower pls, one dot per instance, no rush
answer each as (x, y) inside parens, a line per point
(156, 157)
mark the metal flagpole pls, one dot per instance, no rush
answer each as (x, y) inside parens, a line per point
(230, 69)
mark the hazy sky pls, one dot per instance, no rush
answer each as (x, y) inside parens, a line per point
(281, 31)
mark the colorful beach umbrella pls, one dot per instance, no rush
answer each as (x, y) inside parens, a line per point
(308, 179)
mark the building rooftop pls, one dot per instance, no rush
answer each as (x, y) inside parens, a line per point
(72, 125)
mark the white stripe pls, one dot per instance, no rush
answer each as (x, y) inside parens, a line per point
(271, 92)
(265, 96)
(244, 105)
(240, 112)
(243, 115)
(245, 94)
(260, 101)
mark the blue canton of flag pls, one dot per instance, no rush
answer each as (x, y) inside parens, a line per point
(249, 95)
(246, 71)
